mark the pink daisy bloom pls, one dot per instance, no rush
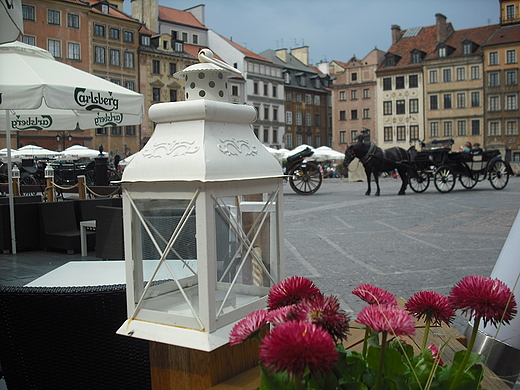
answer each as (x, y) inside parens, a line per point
(248, 328)
(436, 354)
(387, 318)
(280, 315)
(296, 345)
(374, 295)
(324, 312)
(486, 298)
(290, 291)
(431, 305)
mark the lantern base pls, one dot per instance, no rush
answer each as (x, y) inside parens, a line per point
(182, 337)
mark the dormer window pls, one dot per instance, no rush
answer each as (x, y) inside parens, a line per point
(392, 59)
(468, 47)
(146, 40)
(104, 8)
(287, 78)
(417, 56)
(303, 80)
(442, 51)
(179, 46)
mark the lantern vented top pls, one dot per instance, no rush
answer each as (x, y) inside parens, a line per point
(208, 79)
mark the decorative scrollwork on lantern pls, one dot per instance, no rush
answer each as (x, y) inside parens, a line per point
(173, 149)
(233, 147)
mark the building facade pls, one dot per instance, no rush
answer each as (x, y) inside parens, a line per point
(354, 104)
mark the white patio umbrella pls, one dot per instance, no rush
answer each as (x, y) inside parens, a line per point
(324, 153)
(33, 151)
(11, 20)
(275, 152)
(30, 79)
(76, 152)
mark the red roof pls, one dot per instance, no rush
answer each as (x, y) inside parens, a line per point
(478, 35)
(112, 11)
(246, 52)
(505, 34)
(179, 17)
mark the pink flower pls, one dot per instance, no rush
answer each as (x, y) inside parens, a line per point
(387, 318)
(324, 312)
(486, 298)
(435, 307)
(436, 354)
(374, 295)
(247, 328)
(290, 291)
(295, 346)
(280, 315)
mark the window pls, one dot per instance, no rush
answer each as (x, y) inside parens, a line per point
(461, 74)
(494, 129)
(298, 98)
(54, 47)
(511, 128)
(266, 89)
(353, 135)
(234, 90)
(414, 106)
(286, 78)
(101, 131)
(29, 40)
(116, 130)
(434, 129)
(309, 140)
(317, 100)
(99, 55)
(510, 11)
(275, 91)
(99, 30)
(400, 107)
(387, 134)
(179, 47)
(145, 40)
(475, 99)
(399, 82)
(446, 75)
(129, 59)
(448, 129)
(511, 77)
(185, 37)
(475, 73)
(387, 108)
(156, 94)
(447, 101)
(128, 36)
(266, 135)
(434, 102)
(115, 57)
(366, 113)
(461, 128)
(414, 132)
(173, 68)
(130, 130)
(317, 120)
(28, 12)
(130, 85)
(511, 57)
(494, 103)
(366, 93)
(53, 17)
(413, 81)
(442, 51)
(275, 113)
(156, 67)
(266, 113)
(288, 97)
(493, 79)
(342, 137)
(461, 100)
(275, 136)
(401, 133)
(353, 114)
(255, 87)
(475, 127)
(308, 119)
(289, 140)
(72, 20)
(434, 78)
(387, 84)
(308, 99)
(353, 94)
(342, 96)
(493, 58)
(288, 117)
(299, 119)
(195, 39)
(73, 51)
(113, 33)
(467, 48)
(511, 102)
(416, 57)
(353, 76)
(342, 115)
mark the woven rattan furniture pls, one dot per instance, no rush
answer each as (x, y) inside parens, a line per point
(64, 338)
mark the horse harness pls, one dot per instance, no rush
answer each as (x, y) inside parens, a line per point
(371, 153)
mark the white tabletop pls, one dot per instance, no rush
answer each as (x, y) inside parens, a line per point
(99, 273)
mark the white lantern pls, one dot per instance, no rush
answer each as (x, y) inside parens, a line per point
(202, 211)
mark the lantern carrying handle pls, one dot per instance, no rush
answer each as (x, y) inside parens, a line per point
(206, 55)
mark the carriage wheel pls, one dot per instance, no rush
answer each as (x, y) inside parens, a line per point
(420, 183)
(305, 178)
(28, 180)
(498, 174)
(444, 179)
(469, 181)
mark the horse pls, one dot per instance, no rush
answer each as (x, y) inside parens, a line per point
(376, 160)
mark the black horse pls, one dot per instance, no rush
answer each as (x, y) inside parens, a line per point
(376, 160)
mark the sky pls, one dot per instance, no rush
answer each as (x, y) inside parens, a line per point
(333, 29)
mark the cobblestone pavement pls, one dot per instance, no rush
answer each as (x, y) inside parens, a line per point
(340, 238)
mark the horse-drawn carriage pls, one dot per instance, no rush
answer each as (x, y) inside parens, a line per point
(445, 167)
(304, 176)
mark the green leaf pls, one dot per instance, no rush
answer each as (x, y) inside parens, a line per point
(393, 363)
(275, 381)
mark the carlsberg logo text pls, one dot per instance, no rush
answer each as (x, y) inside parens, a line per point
(95, 100)
(108, 119)
(31, 123)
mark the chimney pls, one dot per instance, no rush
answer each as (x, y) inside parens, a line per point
(301, 53)
(442, 28)
(396, 33)
(147, 12)
(282, 54)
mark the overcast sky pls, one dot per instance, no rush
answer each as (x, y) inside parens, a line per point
(333, 29)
